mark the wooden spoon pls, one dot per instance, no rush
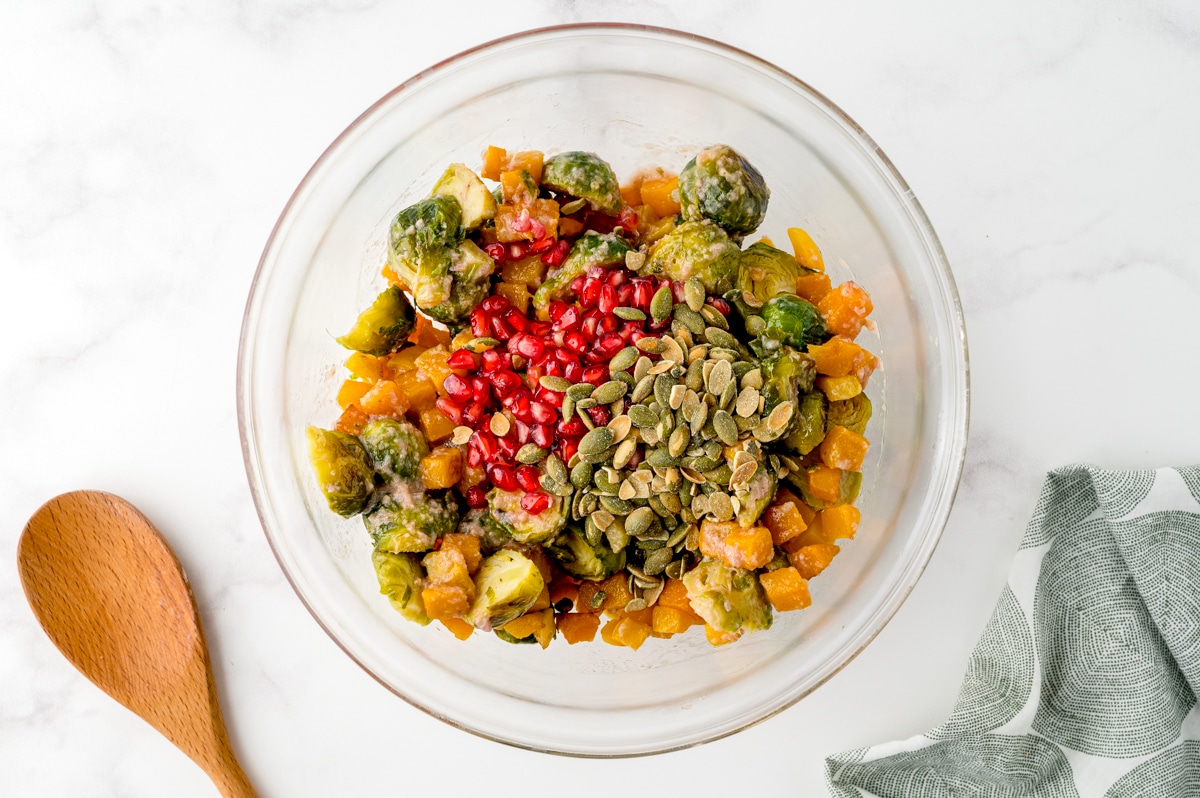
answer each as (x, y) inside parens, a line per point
(111, 595)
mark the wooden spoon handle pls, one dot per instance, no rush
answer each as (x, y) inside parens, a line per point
(232, 782)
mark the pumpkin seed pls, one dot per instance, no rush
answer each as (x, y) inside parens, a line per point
(629, 314)
(641, 416)
(556, 384)
(624, 454)
(581, 391)
(596, 441)
(690, 319)
(650, 344)
(662, 303)
(639, 521)
(616, 535)
(719, 377)
(641, 367)
(581, 475)
(720, 506)
(728, 395)
(662, 388)
(753, 379)
(609, 392)
(693, 294)
(624, 359)
(679, 441)
(616, 505)
(725, 428)
(499, 425)
(642, 389)
(627, 491)
(657, 562)
(674, 570)
(675, 398)
(480, 345)
(714, 317)
(531, 453)
(672, 351)
(572, 206)
(719, 337)
(661, 367)
(461, 435)
(755, 325)
(635, 605)
(556, 468)
(634, 260)
(602, 519)
(661, 458)
(652, 593)
(568, 407)
(742, 474)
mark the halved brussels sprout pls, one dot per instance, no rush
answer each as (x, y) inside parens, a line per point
(809, 429)
(470, 268)
(728, 599)
(847, 492)
(419, 247)
(757, 496)
(395, 446)
(473, 197)
(767, 272)
(721, 185)
(382, 327)
(343, 470)
(508, 638)
(583, 560)
(406, 520)
(480, 523)
(788, 376)
(400, 580)
(853, 414)
(506, 510)
(591, 249)
(696, 249)
(584, 175)
(796, 321)
(508, 583)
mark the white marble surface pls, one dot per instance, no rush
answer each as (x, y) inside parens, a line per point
(146, 149)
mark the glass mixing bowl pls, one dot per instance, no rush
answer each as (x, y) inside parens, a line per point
(639, 97)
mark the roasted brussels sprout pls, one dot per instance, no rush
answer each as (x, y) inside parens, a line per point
(406, 520)
(591, 249)
(809, 429)
(473, 197)
(584, 175)
(480, 523)
(756, 496)
(506, 509)
(728, 599)
(400, 580)
(419, 245)
(853, 413)
(767, 272)
(382, 327)
(395, 446)
(508, 583)
(847, 492)
(789, 374)
(343, 470)
(795, 321)
(470, 268)
(696, 249)
(583, 560)
(508, 638)
(721, 185)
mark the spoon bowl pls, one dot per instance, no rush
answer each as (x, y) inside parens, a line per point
(114, 599)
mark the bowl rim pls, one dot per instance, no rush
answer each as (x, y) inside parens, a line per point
(944, 497)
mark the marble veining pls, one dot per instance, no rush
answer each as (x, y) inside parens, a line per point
(147, 147)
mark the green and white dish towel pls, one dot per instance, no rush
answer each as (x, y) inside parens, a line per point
(1085, 680)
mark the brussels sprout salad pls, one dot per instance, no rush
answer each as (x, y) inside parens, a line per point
(601, 411)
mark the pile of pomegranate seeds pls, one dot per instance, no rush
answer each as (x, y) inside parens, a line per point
(576, 343)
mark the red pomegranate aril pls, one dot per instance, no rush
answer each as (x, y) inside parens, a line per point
(543, 244)
(628, 219)
(481, 323)
(570, 447)
(564, 356)
(495, 303)
(457, 387)
(462, 360)
(508, 446)
(542, 413)
(720, 304)
(637, 335)
(476, 497)
(452, 409)
(577, 284)
(535, 503)
(474, 457)
(576, 342)
(518, 250)
(505, 382)
(596, 375)
(609, 324)
(542, 435)
(573, 371)
(517, 320)
(625, 296)
(480, 389)
(607, 301)
(557, 308)
(628, 329)
(600, 415)
(567, 320)
(529, 478)
(473, 415)
(549, 397)
(523, 431)
(590, 294)
(574, 428)
(529, 346)
(501, 329)
(553, 369)
(497, 251)
(609, 344)
(617, 277)
(502, 477)
(555, 257)
(521, 409)
(485, 442)
(539, 328)
(589, 326)
(494, 361)
(643, 293)
(677, 291)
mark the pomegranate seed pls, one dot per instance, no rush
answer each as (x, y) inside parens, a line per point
(564, 356)
(617, 277)
(457, 387)
(452, 409)
(625, 296)
(493, 361)
(607, 301)
(505, 382)
(576, 342)
(528, 478)
(528, 346)
(551, 398)
(571, 429)
(479, 389)
(555, 257)
(573, 372)
(539, 328)
(609, 324)
(521, 408)
(508, 446)
(497, 252)
(535, 503)
(542, 435)
(600, 415)
(502, 477)
(517, 320)
(596, 375)
(542, 413)
(719, 304)
(495, 303)
(476, 497)
(462, 360)
(627, 330)
(677, 292)
(518, 250)
(523, 431)
(628, 219)
(569, 319)
(480, 323)
(590, 294)
(609, 344)
(485, 442)
(636, 336)
(577, 284)
(589, 326)
(474, 457)
(501, 329)
(473, 415)
(570, 447)
(542, 244)
(643, 293)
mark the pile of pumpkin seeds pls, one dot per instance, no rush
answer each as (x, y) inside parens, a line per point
(688, 447)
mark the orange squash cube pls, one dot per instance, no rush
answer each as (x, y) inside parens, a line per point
(458, 627)
(366, 367)
(840, 521)
(812, 559)
(786, 589)
(616, 593)
(674, 595)
(515, 190)
(824, 483)
(631, 193)
(443, 602)
(384, 399)
(432, 363)
(845, 309)
(441, 468)
(625, 632)
(525, 625)
(569, 227)
(591, 597)
(435, 426)
(671, 621)
(390, 275)
(807, 253)
(563, 587)
(844, 449)
(531, 161)
(739, 547)
(426, 334)
(784, 521)
(838, 389)
(493, 162)
(530, 271)
(467, 546)
(351, 392)
(448, 566)
(405, 359)
(512, 221)
(418, 388)
(836, 357)
(543, 600)
(641, 616)
(814, 534)
(471, 476)
(718, 638)
(517, 295)
(662, 195)
(352, 420)
(578, 627)
(813, 286)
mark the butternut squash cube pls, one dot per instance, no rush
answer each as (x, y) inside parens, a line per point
(786, 589)
(840, 521)
(807, 253)
(662, 195)
(784, 521)
(845, 309)
(812, 559)
(351, 392)
(578, 627)
(441, 468)
(458, 627)
(435, 425)
(844, 449)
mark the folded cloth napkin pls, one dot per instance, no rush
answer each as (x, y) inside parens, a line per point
(1085, 680)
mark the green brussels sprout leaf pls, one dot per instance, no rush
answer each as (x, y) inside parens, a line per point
(506, 510)
(767, 272)
(809, 428)
(473, 197)
(583, 560)
(343, 470)
(381, 328)
(795, 321)
(470, 268)
(399, 578)
(584, 175)
(408, 520)
(853, 414)
(508, 583)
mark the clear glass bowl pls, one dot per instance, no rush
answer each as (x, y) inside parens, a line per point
(640, 97)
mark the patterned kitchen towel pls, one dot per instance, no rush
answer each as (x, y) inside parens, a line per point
(1085, 680)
